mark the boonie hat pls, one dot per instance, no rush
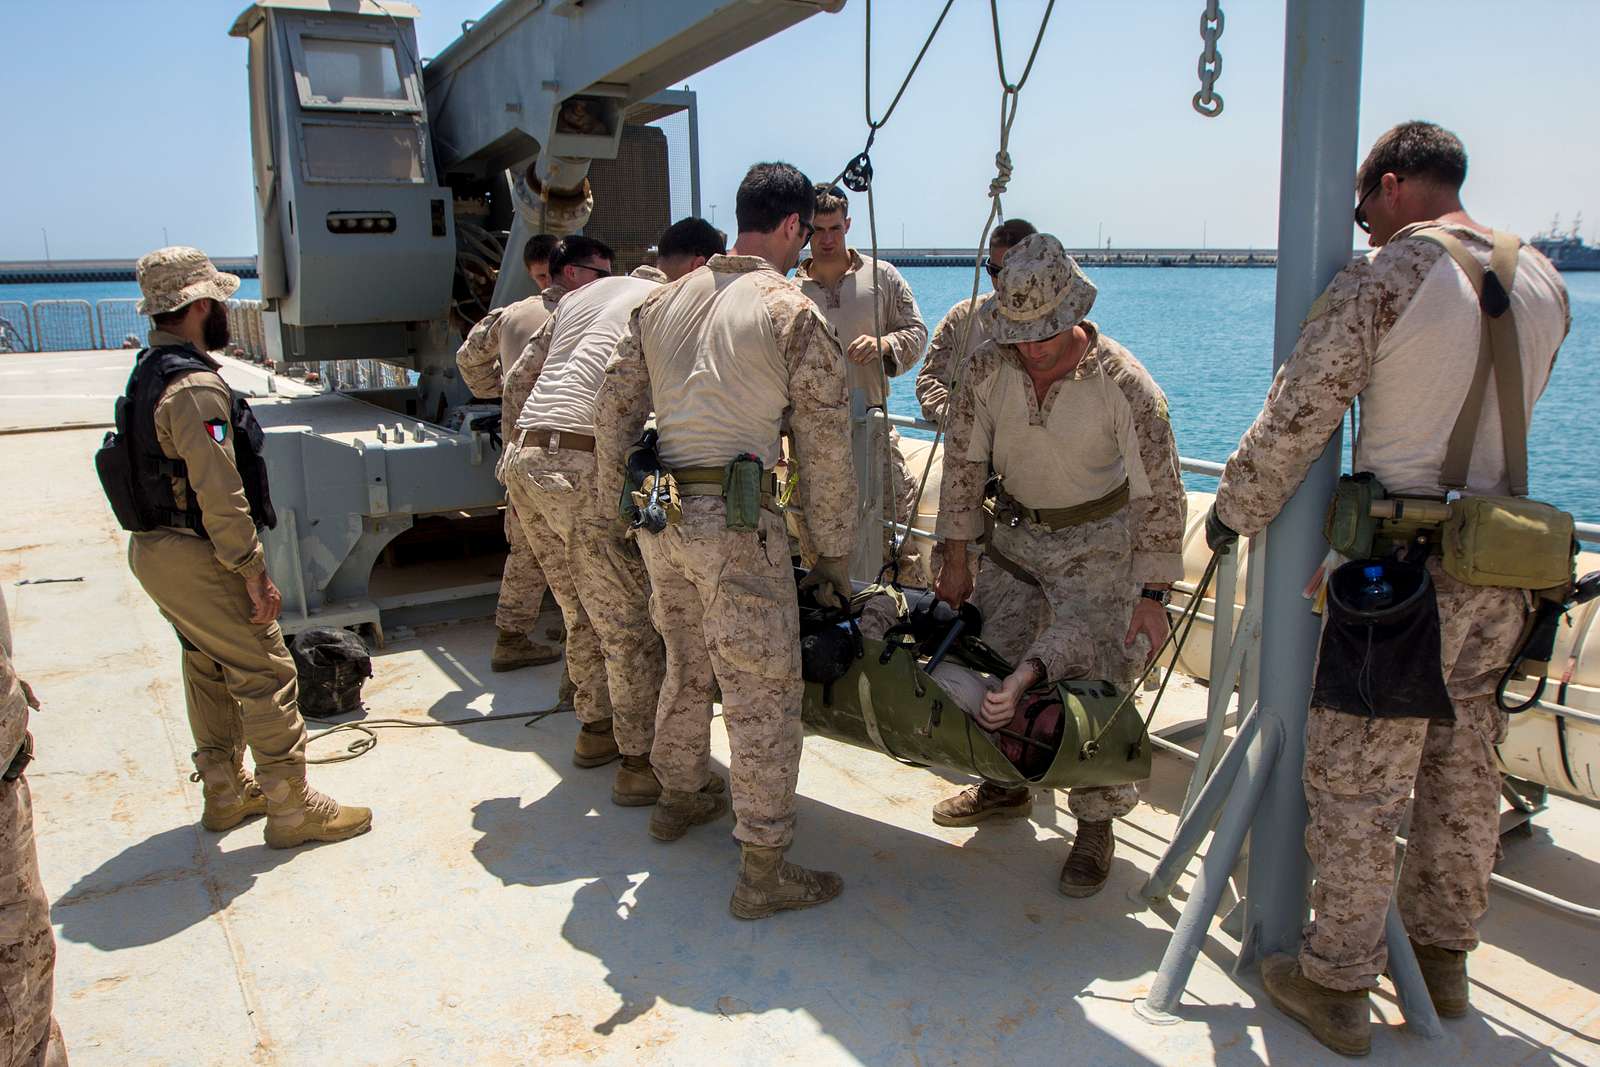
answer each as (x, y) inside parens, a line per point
(175, 277)
(1041, 291)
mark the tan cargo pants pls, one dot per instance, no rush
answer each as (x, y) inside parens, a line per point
(614, 657)
(1360, 771)
(28, 1034)
(725, 604)
(238, 678)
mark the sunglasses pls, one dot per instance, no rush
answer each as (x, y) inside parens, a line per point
(991, 266)
(598, 272)
(810, 232)
(1361, 214)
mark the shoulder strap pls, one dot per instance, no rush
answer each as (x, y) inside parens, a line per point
(1497, 349)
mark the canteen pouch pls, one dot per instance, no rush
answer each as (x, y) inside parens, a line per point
(741, 492)
(1350, 527)
(1508, 541)
(1382, 663)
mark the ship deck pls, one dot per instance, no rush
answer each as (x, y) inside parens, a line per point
(502, 910)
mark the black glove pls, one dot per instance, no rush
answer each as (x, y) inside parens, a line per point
(1219, 535)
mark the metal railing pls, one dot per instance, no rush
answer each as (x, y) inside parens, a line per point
(76, 325)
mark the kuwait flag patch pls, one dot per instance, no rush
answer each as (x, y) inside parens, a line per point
(218, 429)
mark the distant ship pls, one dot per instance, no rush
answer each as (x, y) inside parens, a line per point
(1567, 250)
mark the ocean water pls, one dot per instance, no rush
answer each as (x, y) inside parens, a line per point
(1206, 336)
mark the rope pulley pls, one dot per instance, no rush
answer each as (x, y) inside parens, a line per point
(857, 176)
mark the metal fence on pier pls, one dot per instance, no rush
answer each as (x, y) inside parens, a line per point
(77, 325)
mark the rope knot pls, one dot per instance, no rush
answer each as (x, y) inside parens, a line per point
(1002, 173)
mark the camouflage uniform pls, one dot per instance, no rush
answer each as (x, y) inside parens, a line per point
(615, 658)
(27, 949)
(488, 361)
(938, 371)
(1360, 771)
(724, 600)
(872, 295)
(1104, 425)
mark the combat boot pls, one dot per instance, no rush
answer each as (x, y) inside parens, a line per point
(984, 801)
(231, 794)
(635, 785)
(1089, 863)
(1340, 1018)
(769, 884)
(299, 815)
(596, 746)
(1444, 971)
(676, 811)
(514, 650)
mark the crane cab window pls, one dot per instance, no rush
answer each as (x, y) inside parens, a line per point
(362, 152)
(352, 75)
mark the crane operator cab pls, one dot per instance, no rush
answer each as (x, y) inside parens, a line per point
(356, 235)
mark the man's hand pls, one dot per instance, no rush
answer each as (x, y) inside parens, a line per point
(265, 600)
(829, 582)
(953, 583)
(1150, 619)
(863, 349)
(1000, 706)
(1219, 535)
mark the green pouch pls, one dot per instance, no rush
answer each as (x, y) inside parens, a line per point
(1350, 527)
(1508, 541)
(741, 492)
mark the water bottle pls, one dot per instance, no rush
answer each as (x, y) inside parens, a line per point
(1376, 593)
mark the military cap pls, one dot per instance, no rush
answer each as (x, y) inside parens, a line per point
(1041, 292)
(175, 277)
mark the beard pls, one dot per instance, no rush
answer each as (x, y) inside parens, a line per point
(216, 330)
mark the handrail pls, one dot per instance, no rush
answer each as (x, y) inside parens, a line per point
(1587, 532)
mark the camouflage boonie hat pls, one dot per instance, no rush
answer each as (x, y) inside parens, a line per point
(1041, 291)
(175, 277)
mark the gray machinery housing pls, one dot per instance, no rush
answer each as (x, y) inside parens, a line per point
(380, 180)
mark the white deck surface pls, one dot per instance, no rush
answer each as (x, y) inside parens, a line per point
(503, 911)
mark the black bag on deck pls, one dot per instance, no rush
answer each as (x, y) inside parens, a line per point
(332, 665)
(1382, 661)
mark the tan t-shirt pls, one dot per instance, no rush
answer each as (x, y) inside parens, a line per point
(577, 342)
(848, 306)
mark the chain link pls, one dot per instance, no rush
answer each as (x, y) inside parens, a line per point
(1208, 101)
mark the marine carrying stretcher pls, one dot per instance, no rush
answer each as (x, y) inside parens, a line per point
(879, 694)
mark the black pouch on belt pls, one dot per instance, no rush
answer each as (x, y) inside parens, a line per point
(1380, 644)
(741, 492)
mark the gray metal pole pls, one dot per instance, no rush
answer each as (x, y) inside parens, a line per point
(694, 157)
(1189, 936)
(1197, 821)
(1321, 96)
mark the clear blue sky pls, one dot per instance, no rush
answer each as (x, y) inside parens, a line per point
(125, 117)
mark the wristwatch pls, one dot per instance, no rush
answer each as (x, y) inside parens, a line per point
(1160, 596)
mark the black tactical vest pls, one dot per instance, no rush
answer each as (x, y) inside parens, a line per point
(137, 477)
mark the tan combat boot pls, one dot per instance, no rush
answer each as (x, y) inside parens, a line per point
(1444, 971)
(768, 884)
(676, 811)
(513, 650)
(299, 815)
(231, 794)
(984, 801)
(596, 745)
(1339, 1018)
(1089, 863)
(635, 785)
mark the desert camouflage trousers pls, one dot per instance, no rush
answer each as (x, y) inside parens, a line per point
(1359, 772)
(725, 603)
(239, 682)
(28, 1034)
(614, 658)
(1081, 610)
(522, 584)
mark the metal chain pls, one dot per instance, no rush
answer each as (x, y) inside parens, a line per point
(1208, 101)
